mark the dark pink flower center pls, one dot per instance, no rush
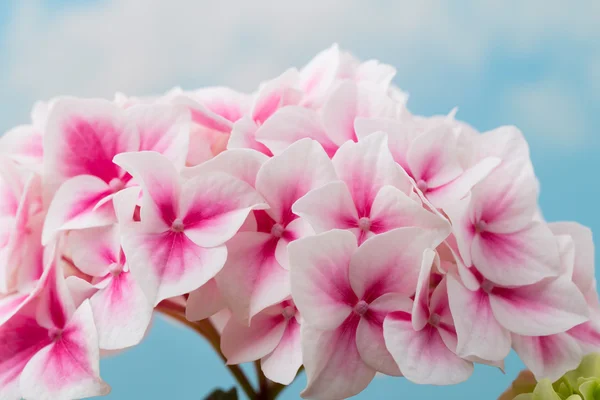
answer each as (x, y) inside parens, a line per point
(115, 268)
(364, 224)
(480, 226)
(55, 334)
(487, 286)
(277, 230)
(434, 319)
(288, 312)
(177, 225)
(361, 307)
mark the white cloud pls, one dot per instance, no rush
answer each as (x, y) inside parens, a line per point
(143, 46)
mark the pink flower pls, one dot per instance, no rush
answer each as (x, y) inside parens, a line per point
(178, 245)
(344, 293)
(50, 347)
(273, 336)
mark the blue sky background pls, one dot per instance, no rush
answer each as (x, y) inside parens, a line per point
(535, 65)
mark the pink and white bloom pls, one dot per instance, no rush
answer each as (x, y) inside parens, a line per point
(273, 337)
(373, 194)
(50, 347)
(178, 245)
(82, 138)
(423, 340)
(256, 274)
(344, 293)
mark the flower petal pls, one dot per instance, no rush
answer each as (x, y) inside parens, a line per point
(544, 308)
(334, 368)
(422, 355)
(285, 178)
(366, 167)
(252, 279)
(240, 163)
(82, 137)
(548, 356)
(213, 207)
(337, 212)
(163, 128)
(75, 206)
(519, 258)
(69, 367)
(204, 302)
(319, 275)
(94, 250)
(169, 264)
(282, 364)
(160, 182)
(475, 324)
(241, 343)
(122, 313)
(290, 124)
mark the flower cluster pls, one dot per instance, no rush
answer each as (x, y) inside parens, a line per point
(317, 220)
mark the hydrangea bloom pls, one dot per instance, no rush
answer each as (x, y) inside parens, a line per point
(315, 224)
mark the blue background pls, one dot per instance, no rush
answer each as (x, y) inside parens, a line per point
(535, 65)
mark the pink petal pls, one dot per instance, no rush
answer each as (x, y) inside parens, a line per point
(240, 163)
(274, 94)
(282, 364)
(93, 251)
(160, 182)
(587, 335)
(22, 338)
(241, 343)
(202, 115)
(507, 199)
(75, 206)
(519, 258)
(390, 262)
(459, 187)
(295, 230)
(10, 304)
(462, 227)
(475, 324)
(393, 208)
(366, 167)
(223, 101)
(82, 137)
(243, 137)
(544, 308)
(285, 178)
(583, 268)
(169, 264)
(54, 305)
(548, 356)
(337, 212)
(421, 308)
(68, 368)
(433, 157)
(164, 129)
(319, 275)
(369, 333)
(290, 124)
(24, 145)
(122, 313)
(125, 204)
(213, 207)
(422, 355)
(319, 74)
(252, 279)
(204, 302)
(334, 368)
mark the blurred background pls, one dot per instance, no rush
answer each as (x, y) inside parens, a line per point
(534, 64)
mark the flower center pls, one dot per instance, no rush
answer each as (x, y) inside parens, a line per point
(115, 268)
(277, 230)
(116, 184)
(364, 224)
(422, 185)
(177, 225)
(361, 307)
(434, 319)
(481, 226)
(55, 334)
(289, 312)
(487, 286)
